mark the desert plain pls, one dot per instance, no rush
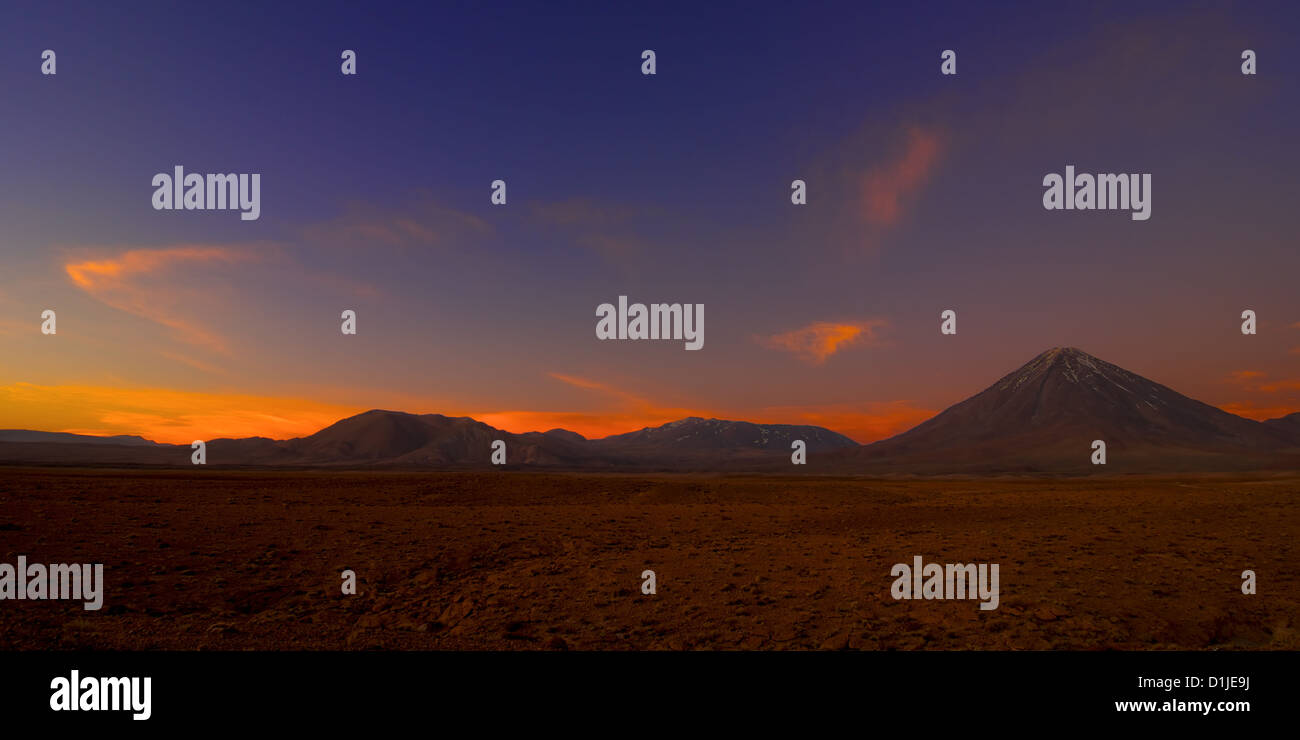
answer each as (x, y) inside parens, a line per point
(519, 560)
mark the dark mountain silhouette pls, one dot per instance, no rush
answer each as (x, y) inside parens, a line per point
(1041, 418)
(26, 435)
(694, 434)
(1289, 424)
(394, 438)
(565, 434)
(379, 437)
(1045, 416)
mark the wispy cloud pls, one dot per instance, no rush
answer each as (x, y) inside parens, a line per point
(818, 341)
(424, 223)
(1279, 386)
(193, 362)
(150, 283)
(607, 229)
(887, 188)
(1274, 402)
(1253, 380)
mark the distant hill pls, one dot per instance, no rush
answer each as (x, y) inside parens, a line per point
(696, 434)
(565, 434)
(26, 435)
(395, 438)
(1289, 424)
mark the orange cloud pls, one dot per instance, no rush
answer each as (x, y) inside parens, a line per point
(1252, 381)
(1243, 376)
(144, 282)
(1259, 413)
(885, 188)
(1280, 385)
(94, 274)
(1246, 379)
(819, 340)
(162, 414)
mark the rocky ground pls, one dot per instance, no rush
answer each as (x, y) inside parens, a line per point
(229, 560)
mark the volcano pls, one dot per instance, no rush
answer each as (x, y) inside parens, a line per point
(1045, 416)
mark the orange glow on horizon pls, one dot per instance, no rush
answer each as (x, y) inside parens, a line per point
(179, 417)
(1259, 413)
(162, 415)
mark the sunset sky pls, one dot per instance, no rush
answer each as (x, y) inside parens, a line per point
(924, 194)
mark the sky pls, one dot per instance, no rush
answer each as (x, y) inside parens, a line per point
(924, 193)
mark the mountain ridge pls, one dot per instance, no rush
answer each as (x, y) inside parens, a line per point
(1040, 417)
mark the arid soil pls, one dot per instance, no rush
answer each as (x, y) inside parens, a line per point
(231, 560)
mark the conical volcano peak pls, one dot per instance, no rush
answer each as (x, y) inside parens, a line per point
(1068, 355)
(1074, 357)
(1042, 414)
(1073, 364)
